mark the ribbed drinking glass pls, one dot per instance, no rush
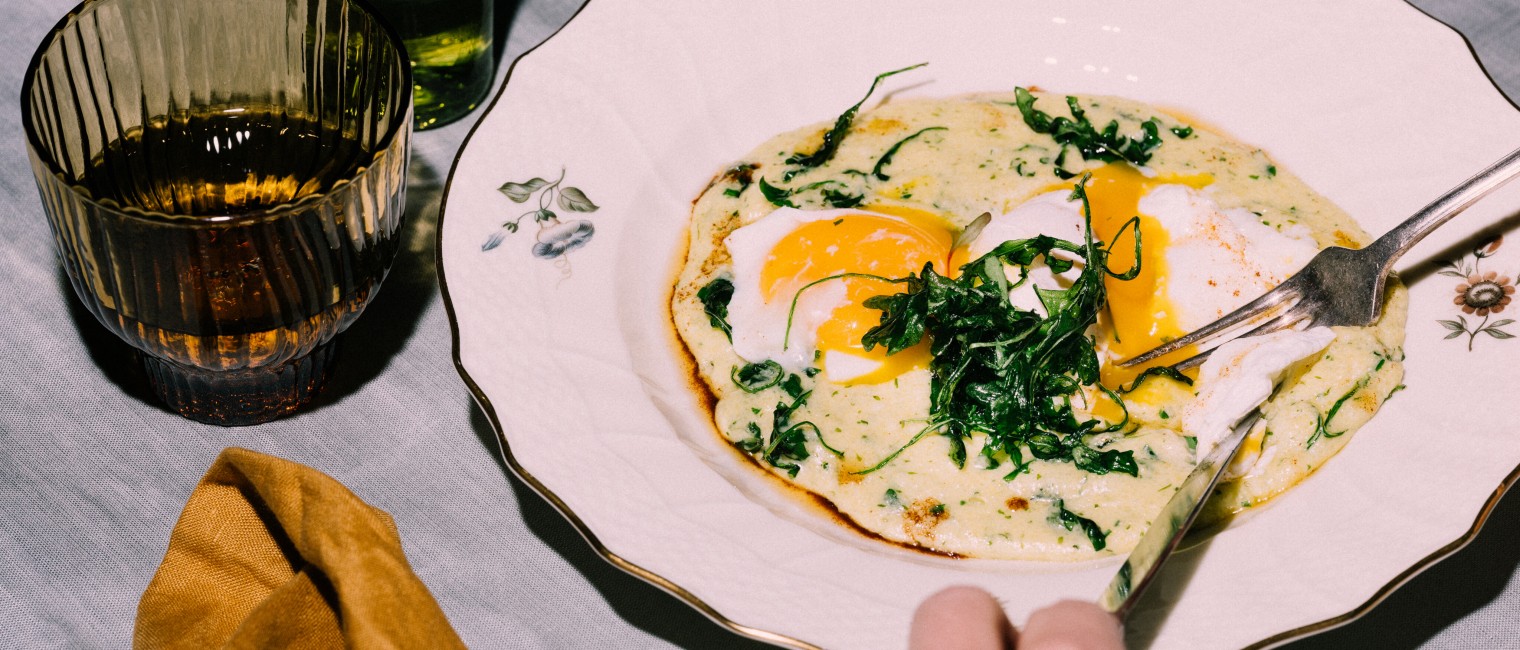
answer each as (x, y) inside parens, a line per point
(225, 184)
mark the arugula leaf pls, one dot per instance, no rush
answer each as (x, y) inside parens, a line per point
(1338, 403)
(754, 442)
(790, 443)
(1004, 371)
(755, 377)
(787, 442)
(793, 387)
(1077, 131)
(1019, 464)
(1069, 520)
(742, 175)
(715, 297)
(1086, 459)
(824, 443)
(1046, 446)
(779, 197)
(837, 198)
(886, 158)
(1322, 422)
(834, 136)
(1157, 371)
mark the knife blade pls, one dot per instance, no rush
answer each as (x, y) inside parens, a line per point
(1168, 528)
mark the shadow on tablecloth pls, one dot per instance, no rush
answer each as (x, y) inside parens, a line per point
(639, 603)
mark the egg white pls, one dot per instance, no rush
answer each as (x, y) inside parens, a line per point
(1217, 259)
(1052, 214)
(1239, 376)
(760, 328)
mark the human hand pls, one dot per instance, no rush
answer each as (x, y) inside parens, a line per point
(968, 618)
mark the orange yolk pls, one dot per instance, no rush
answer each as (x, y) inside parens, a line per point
(1140, 315)
(859, 243)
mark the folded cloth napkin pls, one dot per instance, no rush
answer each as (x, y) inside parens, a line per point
(271, 553)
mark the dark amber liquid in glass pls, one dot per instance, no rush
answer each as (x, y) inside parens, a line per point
(253, 288)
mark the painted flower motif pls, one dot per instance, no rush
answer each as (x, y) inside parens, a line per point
(555, 238)
(1479, 294)
(1490, 248)
(562, 238)
(1484, 294)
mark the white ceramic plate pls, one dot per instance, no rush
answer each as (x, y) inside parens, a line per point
(625, 115)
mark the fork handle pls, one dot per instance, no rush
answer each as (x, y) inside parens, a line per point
(1398, 241)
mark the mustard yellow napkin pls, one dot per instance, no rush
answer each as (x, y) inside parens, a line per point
(271, 553)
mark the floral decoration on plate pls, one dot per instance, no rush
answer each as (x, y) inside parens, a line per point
(1481, 294)
(556, 237)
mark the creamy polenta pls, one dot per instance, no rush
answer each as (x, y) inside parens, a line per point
(943, 162)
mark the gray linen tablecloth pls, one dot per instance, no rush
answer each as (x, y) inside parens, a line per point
(93, 473)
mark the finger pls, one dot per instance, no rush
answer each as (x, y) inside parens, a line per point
(960, 618)
(1072, 625)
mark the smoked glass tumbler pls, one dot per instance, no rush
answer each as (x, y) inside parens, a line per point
(225, 181)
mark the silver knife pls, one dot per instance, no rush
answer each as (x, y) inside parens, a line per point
(1168, 528)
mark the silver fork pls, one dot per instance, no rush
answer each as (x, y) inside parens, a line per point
(1340, 286)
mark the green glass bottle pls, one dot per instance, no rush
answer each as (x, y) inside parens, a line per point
(449, 42)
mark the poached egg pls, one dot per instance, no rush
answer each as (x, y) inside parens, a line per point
(1198, 261)
(790, 254)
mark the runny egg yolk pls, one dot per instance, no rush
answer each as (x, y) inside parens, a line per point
(876, 244)
(1140, 315)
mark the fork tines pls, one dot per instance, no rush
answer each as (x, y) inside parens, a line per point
(1280, 308)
